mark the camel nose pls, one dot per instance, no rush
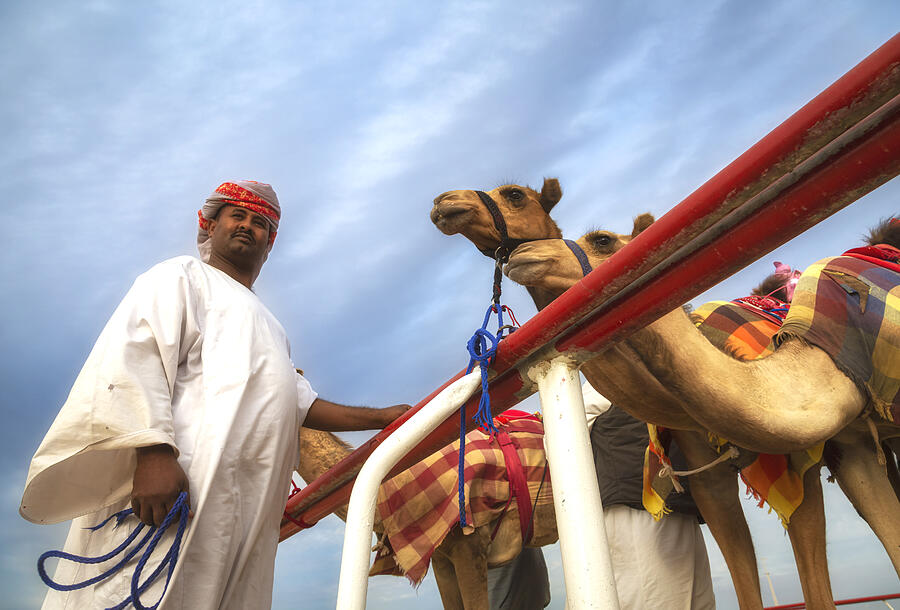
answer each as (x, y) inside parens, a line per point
(438, 199)
(436, 214)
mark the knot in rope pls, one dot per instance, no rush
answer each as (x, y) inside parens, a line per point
(482, 349)
(379, 545)
(667, 471)
(478, 347)
(153, 536)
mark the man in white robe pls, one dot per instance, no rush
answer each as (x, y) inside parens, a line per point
(190, 387)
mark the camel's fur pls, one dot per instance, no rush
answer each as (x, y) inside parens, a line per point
(885, 232)
(461, 561)
(789, 401)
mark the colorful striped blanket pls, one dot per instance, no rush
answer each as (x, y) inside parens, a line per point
(744, 328)
(739, 327)
(849, 307)
(656, 489)
(419, 506)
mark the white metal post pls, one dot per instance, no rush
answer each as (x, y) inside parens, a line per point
(354, 578)
(579, 514)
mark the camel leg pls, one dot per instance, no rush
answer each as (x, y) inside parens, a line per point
(892, 452)
(715, 492)
(445, 575)
(866, 484)
(468, 556)
(807, 533)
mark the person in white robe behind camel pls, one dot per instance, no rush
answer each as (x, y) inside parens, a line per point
(190, 387)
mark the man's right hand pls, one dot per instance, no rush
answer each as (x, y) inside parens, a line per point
(158, 479)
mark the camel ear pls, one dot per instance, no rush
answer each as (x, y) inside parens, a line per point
(550, 194)
(642, 222)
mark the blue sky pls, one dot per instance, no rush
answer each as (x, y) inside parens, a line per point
(120, 118)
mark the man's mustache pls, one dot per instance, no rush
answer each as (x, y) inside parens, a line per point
(247, 233)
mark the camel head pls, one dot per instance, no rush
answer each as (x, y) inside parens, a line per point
(551, 265)
(526, 212)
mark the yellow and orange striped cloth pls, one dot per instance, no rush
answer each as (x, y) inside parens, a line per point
(419, 506)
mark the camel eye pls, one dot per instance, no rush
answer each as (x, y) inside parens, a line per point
(515, 195)
(601, 240)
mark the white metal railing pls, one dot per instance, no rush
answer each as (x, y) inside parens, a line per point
(587, 564)
(354, 579)
(579, 514)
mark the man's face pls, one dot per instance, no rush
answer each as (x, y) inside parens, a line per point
(239, 235)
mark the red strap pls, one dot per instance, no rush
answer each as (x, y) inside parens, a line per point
(518, 484)
(513, 414)
(770, 308)
(882, 251)
(299, 522)
(883, 255)
(500, 518)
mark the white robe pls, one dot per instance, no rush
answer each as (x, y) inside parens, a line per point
(193, 359)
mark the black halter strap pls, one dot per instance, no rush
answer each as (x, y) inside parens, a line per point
(507, 245)
(580, 255)
(499, 221)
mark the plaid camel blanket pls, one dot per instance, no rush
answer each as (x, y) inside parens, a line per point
(849, 306)
(419, 506)
(745, 328)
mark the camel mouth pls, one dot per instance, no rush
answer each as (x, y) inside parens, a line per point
(526, 270)
(448, 218)
(525, 259)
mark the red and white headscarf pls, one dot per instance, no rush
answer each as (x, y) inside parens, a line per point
(255, 196)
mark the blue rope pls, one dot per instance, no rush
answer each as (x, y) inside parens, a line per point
(482, 349)
(153, 535)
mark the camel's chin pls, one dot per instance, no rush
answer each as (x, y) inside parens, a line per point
(527, 273)
(451, 225)
(447, 228)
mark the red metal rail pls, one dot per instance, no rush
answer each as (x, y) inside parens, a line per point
(839, 146)
(843, 602)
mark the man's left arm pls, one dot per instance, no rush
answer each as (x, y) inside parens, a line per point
(332, 417)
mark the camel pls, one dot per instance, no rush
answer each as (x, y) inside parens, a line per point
(658, 353)
(460, 562)
(527, 216)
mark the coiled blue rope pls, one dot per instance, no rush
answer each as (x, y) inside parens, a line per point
(153, 536)
(482, 349)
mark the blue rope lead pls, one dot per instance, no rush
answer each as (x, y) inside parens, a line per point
(480, 352)
(153, 535)
(181, 509)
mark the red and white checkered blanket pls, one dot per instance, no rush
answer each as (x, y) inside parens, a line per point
(419, 506)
